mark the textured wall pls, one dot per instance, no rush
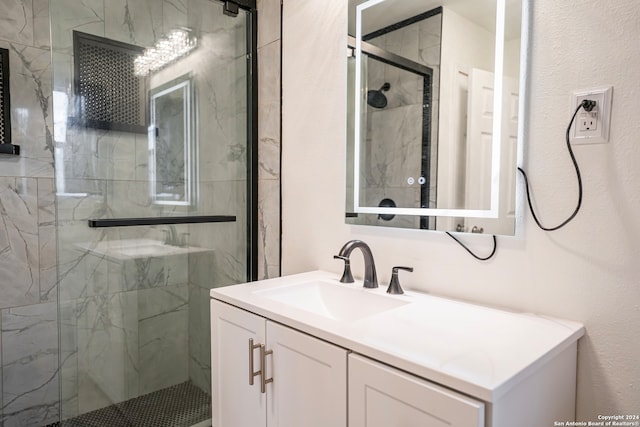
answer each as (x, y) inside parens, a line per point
(588, 271)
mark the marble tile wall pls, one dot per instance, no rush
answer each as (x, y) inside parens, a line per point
(28, 309)
(106, 307)
(269, 142)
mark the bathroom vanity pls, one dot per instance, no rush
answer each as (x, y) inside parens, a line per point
(306, 350)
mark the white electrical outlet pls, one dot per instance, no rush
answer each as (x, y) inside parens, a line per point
(592, 127)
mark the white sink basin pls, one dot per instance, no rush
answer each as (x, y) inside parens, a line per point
(148, 250)
(127, 249)
(333, 301)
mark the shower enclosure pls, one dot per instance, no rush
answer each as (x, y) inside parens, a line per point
(154, 136)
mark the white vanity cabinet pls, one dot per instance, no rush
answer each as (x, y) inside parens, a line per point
(345, 355)
(309, 386)
(381, 396)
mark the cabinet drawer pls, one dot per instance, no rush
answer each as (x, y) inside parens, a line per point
(381, 396)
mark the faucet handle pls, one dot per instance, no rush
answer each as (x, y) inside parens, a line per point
(347, 277)
(394, 284)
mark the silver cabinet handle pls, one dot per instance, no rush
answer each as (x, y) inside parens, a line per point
(263, 368)
(253, 373)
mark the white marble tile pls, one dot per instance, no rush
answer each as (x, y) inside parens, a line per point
(269, 140)
(128, 199)
(199, 338)
(137, 22)
(19, 264)
(269, 111)
(117, 156)
(68, 339)
(223, 149)
(269, 72)
(227, 263)
(222, 36)
(163, 337)
(30, 111)
(268, 229)
(30, 365)
(269, 16)
(107, 330)
(67, 15)
(81, 199)
(394, 127)
(16, 21)
(174, 14)
(1, 376)
(404, 42)
(79, 156)
(41, 27)
(142, 158)
(227, 239)
(47, 239)
(144, 273)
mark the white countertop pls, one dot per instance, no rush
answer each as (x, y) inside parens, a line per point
(477, 350)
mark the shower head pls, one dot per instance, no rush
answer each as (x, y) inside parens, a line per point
(376, 98)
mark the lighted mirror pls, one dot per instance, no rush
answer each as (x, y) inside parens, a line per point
(433, 102)
(171, 143)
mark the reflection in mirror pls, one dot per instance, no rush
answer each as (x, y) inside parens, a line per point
(441, 148)
(171, 143)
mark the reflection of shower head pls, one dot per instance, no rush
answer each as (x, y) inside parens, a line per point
(376, 98)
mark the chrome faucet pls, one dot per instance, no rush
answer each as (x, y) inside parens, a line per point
(370, 276)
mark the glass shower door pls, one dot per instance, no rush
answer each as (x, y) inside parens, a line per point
(153, 141)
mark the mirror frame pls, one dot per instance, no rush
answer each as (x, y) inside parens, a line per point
(185, 85)
(493, 212)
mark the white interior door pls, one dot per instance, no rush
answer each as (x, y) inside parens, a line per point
(479, 140)
(509, 154)
(479, 151)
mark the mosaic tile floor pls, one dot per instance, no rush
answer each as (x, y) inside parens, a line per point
(181, 405)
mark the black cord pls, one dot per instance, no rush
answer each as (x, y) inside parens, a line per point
(588, 105)
(493, 252)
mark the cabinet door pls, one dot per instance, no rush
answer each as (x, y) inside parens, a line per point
(309, 385)
(380, 396)
(235, 402)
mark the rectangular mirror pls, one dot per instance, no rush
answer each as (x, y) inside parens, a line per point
(171, 143)
(433, 108)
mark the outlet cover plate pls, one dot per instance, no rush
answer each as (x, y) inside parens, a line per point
(600, 134)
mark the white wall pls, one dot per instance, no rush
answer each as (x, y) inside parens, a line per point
(589, 271)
